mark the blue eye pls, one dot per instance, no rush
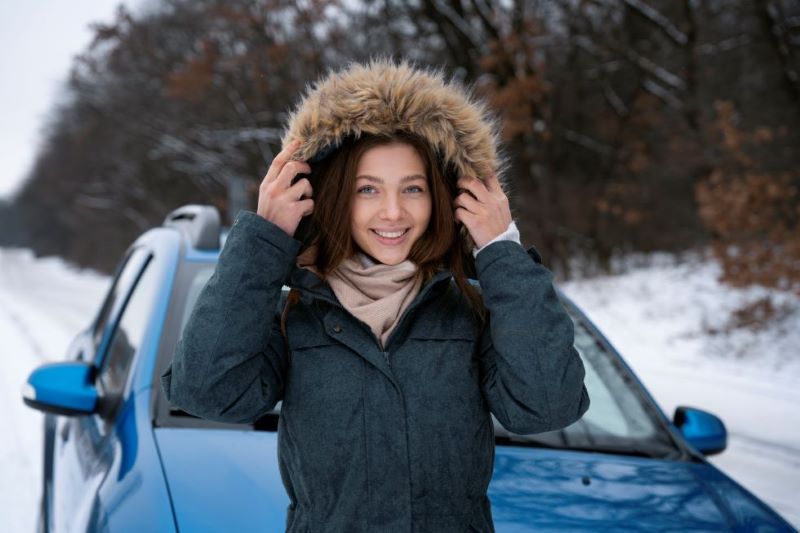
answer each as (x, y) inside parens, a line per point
(369, 189)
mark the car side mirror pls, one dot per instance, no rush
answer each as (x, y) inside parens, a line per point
(701, 429)
(62, 388)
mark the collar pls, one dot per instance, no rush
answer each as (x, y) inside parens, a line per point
(312, 286)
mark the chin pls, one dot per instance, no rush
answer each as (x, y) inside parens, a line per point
(383, 256)
(394, 261)
(387, 259)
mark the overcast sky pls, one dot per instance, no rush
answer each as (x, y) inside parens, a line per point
(38, 39)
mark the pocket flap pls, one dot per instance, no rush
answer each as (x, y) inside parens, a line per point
(309, 339)
(301, 335)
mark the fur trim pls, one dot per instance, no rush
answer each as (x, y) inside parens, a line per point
(382, 97)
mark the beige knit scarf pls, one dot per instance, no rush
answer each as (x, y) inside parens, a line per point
(375, 293)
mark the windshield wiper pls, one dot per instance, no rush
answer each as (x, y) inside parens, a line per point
(613, 450)
(525, 442)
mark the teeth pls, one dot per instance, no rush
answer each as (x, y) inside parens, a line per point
(390, 234)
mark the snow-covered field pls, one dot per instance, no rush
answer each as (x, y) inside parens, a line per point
(655, 315)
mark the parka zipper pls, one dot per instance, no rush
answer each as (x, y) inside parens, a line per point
(386, 356)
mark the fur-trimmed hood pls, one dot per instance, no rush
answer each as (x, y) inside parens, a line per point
(382, 97)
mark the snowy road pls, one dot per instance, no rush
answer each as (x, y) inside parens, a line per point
(20, 448)
(650, 315)
(42, 305)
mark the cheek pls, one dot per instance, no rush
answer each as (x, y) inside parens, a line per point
(425, 212)
(358, 218)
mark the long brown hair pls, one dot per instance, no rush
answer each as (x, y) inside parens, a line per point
(441, 246)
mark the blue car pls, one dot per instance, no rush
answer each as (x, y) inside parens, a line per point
(118, 457)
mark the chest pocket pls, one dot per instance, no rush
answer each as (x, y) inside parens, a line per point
(306, 331)
(440, 358)
(323, 403)
(442, 346)
(321, 368)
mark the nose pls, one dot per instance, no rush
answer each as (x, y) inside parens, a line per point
(392, 208)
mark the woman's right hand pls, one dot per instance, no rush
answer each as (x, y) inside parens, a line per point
(279, 201)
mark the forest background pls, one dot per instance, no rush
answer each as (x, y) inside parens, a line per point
(631, 125)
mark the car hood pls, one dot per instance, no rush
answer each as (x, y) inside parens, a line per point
(228, 480)
(542, 490)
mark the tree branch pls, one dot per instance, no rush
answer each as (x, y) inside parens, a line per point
(663, 23)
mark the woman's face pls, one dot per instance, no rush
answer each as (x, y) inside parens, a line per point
(392, 204)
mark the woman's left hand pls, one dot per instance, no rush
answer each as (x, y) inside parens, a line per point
(485, 212)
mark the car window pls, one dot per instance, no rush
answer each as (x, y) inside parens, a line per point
(616, 412)
(198, 280)
(127, 273)
(129, 332)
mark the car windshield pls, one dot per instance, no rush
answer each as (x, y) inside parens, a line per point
(620, 419)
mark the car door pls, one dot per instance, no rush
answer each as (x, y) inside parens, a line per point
(85, 447)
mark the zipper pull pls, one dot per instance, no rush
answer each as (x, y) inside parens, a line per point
(386, 356)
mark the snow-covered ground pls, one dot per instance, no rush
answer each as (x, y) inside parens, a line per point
(43, 303)
(656, 315)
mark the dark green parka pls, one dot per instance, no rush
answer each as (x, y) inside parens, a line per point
(369, 439)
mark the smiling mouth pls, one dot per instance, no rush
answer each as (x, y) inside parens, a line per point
(391, 234)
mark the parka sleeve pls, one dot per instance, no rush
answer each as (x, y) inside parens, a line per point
(231, 361)
(531, 374)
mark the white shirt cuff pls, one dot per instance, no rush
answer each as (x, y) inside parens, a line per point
(510, 234)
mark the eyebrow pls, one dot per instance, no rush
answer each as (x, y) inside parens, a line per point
(404, 179)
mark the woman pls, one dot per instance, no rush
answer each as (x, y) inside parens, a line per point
(388, 361)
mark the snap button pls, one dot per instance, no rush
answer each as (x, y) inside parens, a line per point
(337, 328)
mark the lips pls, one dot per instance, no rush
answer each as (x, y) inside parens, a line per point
(390, 237)
(391, 234)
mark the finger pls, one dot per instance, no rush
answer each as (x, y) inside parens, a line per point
(300, 189)
(475, 186)
(289, 171)
(493, 183)
(464, 216)
(283, 157)
(466, 201)
(306, 206)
